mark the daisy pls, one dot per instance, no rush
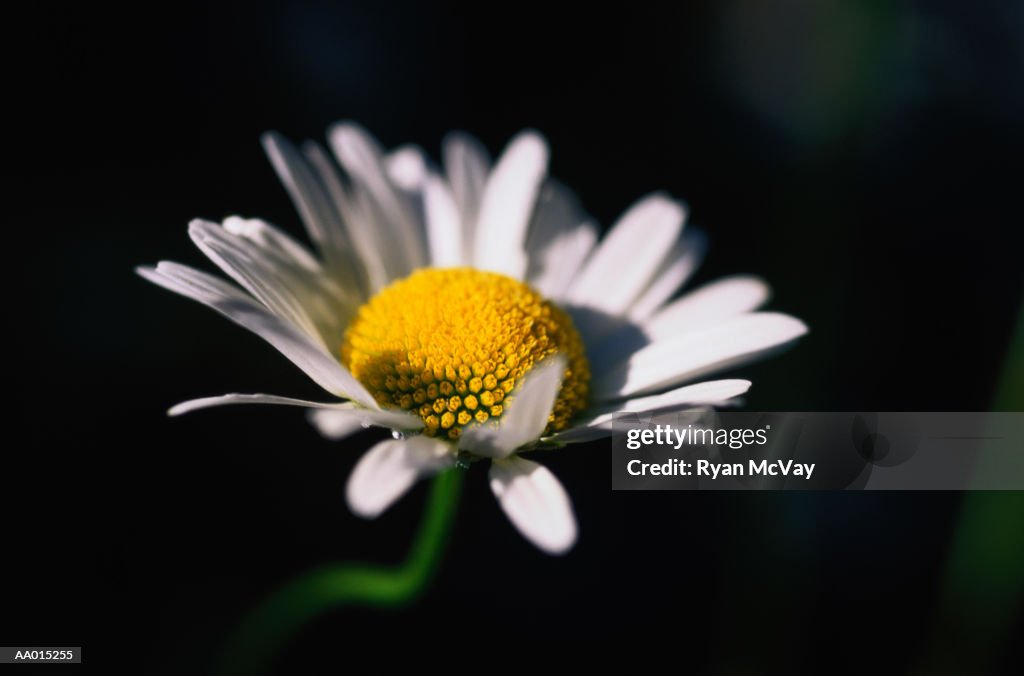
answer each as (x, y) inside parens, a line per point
(473, 310)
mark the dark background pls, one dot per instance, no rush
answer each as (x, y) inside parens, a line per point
(865, 158)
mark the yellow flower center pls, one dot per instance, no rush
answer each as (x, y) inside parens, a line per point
(451, 344)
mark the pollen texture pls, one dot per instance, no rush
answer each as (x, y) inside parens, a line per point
(452, 344)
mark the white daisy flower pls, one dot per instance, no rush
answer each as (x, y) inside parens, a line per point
(471, 309)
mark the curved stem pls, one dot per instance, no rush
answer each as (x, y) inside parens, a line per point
(984, 577)
(265, 631)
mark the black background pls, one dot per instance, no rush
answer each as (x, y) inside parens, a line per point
(864, 159)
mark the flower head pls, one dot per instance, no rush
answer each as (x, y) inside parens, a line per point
(450, 343)
(471, 309)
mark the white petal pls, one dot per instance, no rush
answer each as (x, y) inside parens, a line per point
(444, 225)
(318, 212)
(406, 167)
(572, 249)
(334, 425)
(390, 468)
(626, 261)
(272, 240)
(235, 398)
(712, 392)
(590, 432)
(708, 392)
(525, 416)
(675, 270)
(708, 305)
(535, 502)
(560, 238)
(298, 347)
(398, 233)
(466, 166)
(695, 353)
(392, 419)
(354, 260)
(280, 274)
(325, 301)
(243, 262)
(192, 283)
(581, 435)
(703, 308)
(508, 203)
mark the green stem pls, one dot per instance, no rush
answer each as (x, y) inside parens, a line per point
(266, 630)
(984, 578)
